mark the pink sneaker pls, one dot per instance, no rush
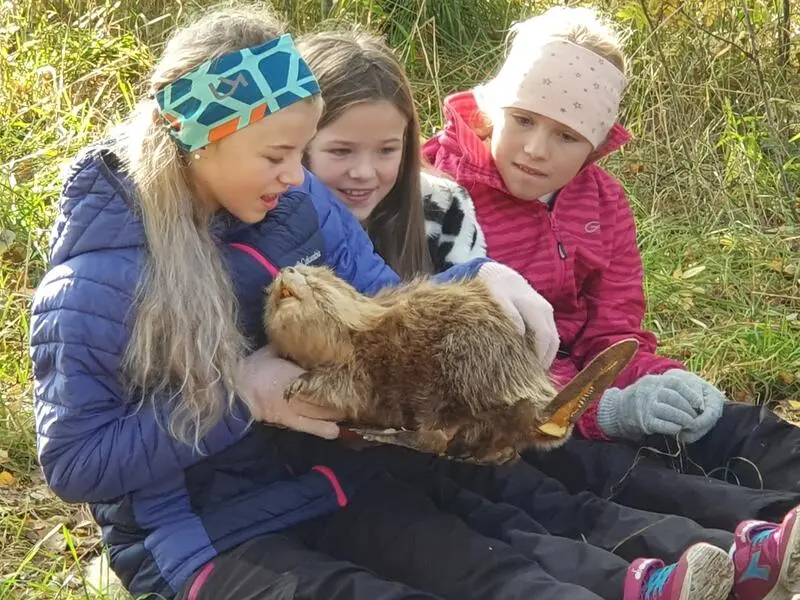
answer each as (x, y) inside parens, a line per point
(703, 572)
(767, 559)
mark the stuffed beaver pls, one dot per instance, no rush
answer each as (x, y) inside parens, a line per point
(437, 367)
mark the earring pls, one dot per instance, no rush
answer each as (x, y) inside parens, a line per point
(196, 156)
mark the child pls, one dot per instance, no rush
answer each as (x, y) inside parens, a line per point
(149, 406)
(367, 151)
(524, 145)
(368, 109)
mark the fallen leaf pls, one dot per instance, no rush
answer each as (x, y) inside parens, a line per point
(6, 479)
(698, 322)
(795, 404)
(689, 273)
(636, 168)
(6, 240)
(787, 378)
(742, 396)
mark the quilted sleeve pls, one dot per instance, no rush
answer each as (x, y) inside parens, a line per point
(350, 252)
(94, 442)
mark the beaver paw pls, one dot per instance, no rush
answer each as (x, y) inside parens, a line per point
(299, 387)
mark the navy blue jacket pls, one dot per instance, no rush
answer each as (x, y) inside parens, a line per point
(165, 509)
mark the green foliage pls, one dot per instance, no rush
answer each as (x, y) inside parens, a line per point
(713, 174)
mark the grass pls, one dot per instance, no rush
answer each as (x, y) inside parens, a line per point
(713, 174)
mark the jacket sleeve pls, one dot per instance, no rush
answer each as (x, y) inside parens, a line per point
(616, 305)
(350, 252)
(451, 224)
(95, 443)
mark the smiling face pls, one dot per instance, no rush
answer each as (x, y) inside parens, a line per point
(359, 154)
(534, 154)
(245, 172)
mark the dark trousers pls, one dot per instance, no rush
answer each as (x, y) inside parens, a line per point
(747, 466)
(513, 501)
(393, 542)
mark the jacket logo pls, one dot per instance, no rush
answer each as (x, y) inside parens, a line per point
(307, 260)
(592, 227)
(232, 83)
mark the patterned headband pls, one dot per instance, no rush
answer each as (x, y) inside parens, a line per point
(235, 90)
(560, 80)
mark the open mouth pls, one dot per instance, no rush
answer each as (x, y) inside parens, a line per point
(285, 292)
(270, 201)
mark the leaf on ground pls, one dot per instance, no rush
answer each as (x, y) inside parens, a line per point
(694, 271)
(787, 270)
(6, 240)
(6, 479)
(795, 404)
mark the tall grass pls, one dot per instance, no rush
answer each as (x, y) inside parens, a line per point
(713, 174)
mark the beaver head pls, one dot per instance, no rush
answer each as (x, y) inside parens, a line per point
(311, 315)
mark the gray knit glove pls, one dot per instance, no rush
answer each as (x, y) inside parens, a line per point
(676, 402)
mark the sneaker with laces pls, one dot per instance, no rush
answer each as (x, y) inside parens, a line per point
(703, 572)
(766, 557)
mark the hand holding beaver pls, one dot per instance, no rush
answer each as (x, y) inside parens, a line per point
(526, 308)
(263, 379)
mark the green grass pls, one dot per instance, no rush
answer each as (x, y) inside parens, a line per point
(713, 174)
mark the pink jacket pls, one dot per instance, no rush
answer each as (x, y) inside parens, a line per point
(582, 256)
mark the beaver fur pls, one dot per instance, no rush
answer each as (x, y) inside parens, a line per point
(440, 362)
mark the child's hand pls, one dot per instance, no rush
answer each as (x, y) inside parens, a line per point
(263, 377)
(706, 399)
(677, 402)
(526, 307)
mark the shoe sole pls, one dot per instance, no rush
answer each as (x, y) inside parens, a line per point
(709, 573)
(788, 582)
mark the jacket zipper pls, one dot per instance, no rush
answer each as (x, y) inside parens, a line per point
(560, 248)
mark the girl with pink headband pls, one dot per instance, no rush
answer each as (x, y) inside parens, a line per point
(525, 146)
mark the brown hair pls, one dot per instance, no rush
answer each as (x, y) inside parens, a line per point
(354, 67)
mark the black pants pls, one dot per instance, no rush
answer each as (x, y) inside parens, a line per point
(512, 501)
(747, 466)
(393, 542)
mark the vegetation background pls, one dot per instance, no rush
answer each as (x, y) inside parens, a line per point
(713, 174)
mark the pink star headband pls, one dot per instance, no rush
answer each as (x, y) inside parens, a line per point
(561, 80)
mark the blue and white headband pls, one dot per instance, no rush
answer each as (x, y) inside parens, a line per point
(235, 90)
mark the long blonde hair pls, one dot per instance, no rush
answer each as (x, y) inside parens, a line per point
(185, 343)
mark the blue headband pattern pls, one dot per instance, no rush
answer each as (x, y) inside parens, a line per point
(235, 90)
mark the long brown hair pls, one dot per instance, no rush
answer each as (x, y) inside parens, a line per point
(354, 67)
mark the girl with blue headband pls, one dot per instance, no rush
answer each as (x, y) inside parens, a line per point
(151, 405)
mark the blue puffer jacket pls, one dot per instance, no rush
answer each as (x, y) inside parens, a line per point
(166, 510)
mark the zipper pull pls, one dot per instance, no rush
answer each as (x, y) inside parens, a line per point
(562, 251)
